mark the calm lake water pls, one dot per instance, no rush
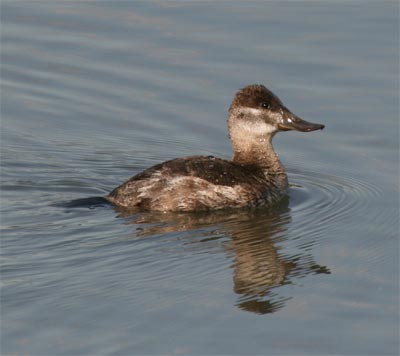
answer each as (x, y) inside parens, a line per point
(93, 92)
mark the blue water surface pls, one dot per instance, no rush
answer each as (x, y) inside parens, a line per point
(93, 92)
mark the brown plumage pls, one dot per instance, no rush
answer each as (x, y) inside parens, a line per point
(254, 177)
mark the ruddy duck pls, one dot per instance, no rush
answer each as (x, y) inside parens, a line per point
(254, 177)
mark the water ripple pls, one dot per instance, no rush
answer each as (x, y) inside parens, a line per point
(319, 200)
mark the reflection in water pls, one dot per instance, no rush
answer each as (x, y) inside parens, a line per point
(258, 267)
(253, 245)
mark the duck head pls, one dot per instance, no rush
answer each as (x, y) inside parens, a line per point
(256, 111)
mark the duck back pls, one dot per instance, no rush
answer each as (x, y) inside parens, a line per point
(199, 183)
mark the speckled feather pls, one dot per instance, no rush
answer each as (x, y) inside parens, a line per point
(197, 183)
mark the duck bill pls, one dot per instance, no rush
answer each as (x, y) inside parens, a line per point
(293, 122)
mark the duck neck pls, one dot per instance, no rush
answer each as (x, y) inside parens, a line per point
(257, 150)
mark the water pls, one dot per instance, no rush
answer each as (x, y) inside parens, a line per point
(94, 92)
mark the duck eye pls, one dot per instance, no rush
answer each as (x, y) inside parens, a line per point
(266, 105)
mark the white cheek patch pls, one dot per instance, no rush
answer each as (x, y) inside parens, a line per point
(252, 111)
(257, 127)
(277, 116)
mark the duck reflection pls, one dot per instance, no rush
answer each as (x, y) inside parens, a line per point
(254, 245)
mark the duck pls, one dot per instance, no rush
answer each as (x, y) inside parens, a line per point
(253, 177)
